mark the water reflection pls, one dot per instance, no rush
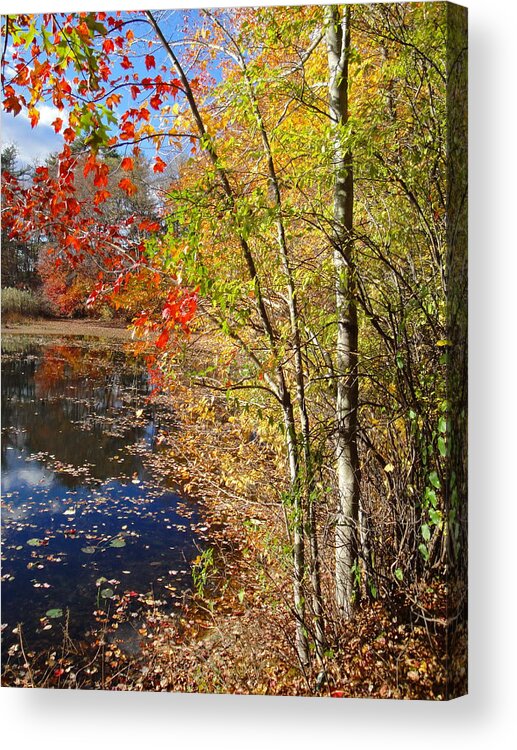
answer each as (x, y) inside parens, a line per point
(78, 499)
(52, 397)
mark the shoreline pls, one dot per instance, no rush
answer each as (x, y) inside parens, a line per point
(235, 635)
(64, 327)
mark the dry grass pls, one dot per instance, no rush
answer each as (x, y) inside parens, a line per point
(86, 327)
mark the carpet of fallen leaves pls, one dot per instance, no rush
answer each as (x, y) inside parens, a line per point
(236, 635)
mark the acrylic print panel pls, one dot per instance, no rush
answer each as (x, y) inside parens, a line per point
(234, 350)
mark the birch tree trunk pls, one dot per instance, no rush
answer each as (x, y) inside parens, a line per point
(347, 463)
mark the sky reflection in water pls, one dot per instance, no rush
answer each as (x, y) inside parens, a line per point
(75, 485)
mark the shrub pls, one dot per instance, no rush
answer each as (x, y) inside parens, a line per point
(22, 303)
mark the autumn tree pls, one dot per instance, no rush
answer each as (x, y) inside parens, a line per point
(304, 227)
(19, 257)
(68, 285)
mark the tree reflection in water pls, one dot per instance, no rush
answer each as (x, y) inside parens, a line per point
(74, 477)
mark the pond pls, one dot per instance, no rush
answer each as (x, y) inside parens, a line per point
(86, 523)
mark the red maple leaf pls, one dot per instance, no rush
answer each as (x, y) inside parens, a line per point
(155, 102)
(127, 131)
(161, 341)
(108, 45)
(159, 165)
(101, 175)
(127, 164)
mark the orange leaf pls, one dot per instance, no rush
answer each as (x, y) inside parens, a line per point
(101, 196)
(69, 135)
(89, 165)
(149, 226)
(128, 131)
(101, 175)
(12, 104)
(129, 187)
(72, 241)
(127, 164)
(34, 117)
(113, 100)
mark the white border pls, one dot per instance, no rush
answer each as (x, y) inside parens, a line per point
(45, 719)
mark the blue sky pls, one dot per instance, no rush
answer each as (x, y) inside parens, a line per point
(34, 144)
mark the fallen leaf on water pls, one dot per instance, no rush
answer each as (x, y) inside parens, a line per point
(54, 613)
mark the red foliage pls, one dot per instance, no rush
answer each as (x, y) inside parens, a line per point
(127, 163)
(79, 230)
(129, 187)
(159, 165)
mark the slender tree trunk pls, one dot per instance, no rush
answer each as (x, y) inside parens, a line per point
(281, 388)
(347, 462)
(301, 400)
(302, 645)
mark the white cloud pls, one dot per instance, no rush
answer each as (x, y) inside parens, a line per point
(34, 144)
(31, 476)
(48, 114)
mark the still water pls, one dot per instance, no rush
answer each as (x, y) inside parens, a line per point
(81, 500)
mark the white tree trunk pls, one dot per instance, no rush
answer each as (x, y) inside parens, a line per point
(347, 463)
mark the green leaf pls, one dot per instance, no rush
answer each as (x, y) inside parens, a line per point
(426, 533)
(435, 516)
(241, 595)
(107, 593)
(118, 543)
(35, 542)
(423, 551)
(433, 478)
(430, 497)
(88, 550)
(29, 36)
(441, 446)
(399, 575)
(54, 613)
